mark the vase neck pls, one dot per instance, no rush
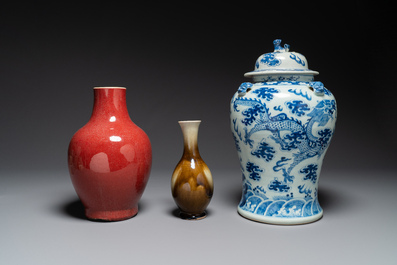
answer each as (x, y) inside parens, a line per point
(190, 136)
(110, 104)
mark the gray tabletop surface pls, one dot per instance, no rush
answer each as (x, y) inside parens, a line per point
(43, 223)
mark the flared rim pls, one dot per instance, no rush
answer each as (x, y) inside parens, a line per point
(189, 121)
(109, 87)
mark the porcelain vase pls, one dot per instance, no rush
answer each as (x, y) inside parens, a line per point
(282, 124)
(191, 183)
(110, 159)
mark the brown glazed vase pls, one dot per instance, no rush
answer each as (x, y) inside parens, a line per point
(191, 182)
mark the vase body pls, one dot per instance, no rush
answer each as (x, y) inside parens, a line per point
(110, 159)
(282, 124)
(191, 182)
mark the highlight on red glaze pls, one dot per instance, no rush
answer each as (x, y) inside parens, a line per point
(110, 159)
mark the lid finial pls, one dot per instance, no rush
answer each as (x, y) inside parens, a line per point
(278, 48)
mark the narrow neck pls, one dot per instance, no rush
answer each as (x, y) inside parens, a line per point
(110, 104)
(190, 135)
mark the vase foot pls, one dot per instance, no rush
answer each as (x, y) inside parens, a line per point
(280, 220)
(189, 216)
(111, 216)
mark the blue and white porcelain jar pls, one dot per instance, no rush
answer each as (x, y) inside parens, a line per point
(282, 124)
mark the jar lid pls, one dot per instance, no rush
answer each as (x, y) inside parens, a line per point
(281, 61)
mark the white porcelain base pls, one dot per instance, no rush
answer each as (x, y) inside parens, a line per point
(279, 220)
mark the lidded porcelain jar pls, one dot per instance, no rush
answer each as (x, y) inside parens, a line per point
(282, 124)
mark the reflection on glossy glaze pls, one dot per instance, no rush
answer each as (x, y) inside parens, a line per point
(110, 159)
(191, 182)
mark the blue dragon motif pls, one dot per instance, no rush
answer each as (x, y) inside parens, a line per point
(300, 136)
(280, 164)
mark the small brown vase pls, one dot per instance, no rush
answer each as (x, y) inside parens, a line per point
(191, 182)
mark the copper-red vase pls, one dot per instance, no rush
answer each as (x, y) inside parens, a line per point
(110, 159)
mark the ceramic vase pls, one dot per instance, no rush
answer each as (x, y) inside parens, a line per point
(191, 182)
(110, 159)
(282, 124)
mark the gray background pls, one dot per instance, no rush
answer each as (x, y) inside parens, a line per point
(185, 62)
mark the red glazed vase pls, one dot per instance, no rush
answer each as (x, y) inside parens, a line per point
(110, 159)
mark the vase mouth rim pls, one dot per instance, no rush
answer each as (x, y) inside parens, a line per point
(109, 87)
(189, 121)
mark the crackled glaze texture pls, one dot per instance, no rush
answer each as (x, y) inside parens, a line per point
(191, 182)
(282, 125)
(110, 159)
